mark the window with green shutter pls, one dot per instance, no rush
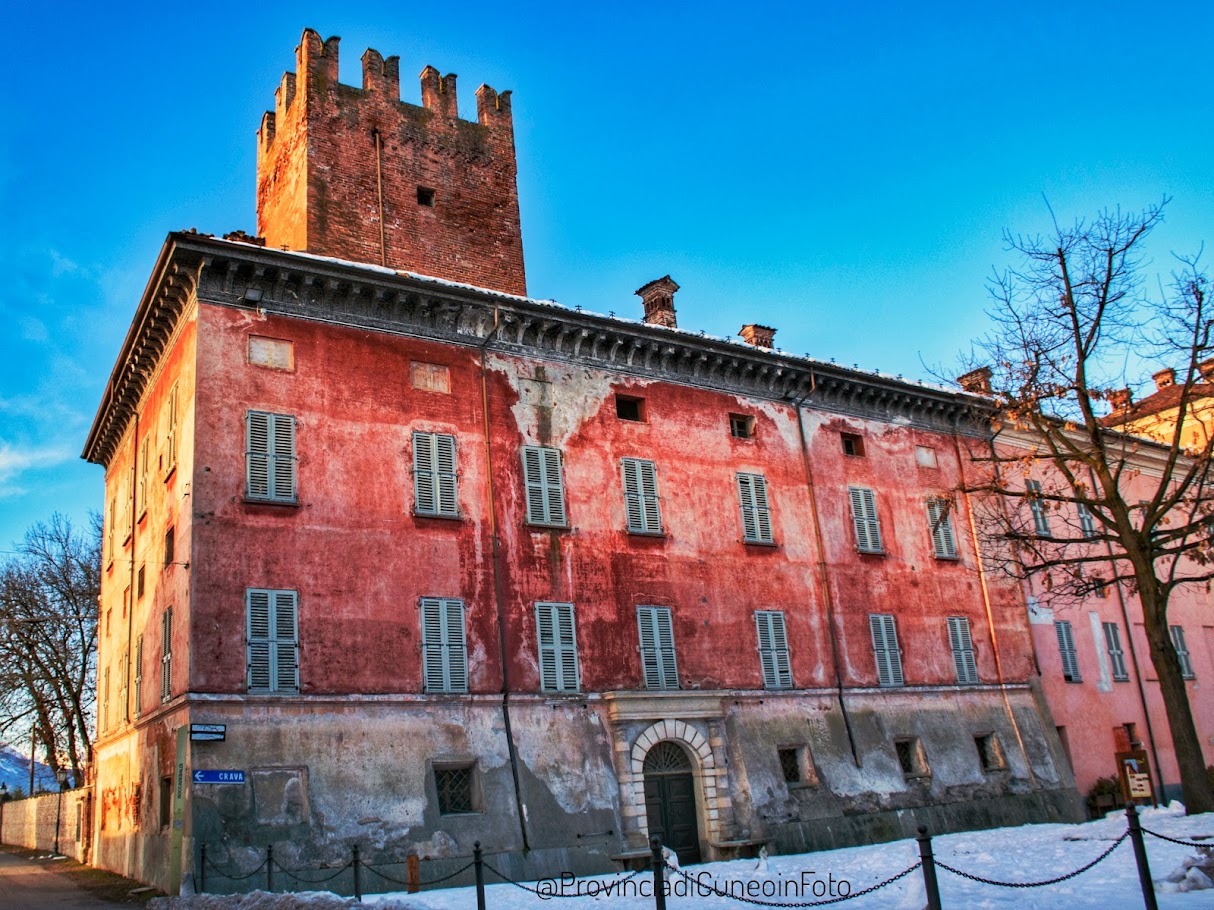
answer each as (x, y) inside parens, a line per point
(1112, 641)
(657, 648)
(756, 517)
(885, 649)
(940, 524)
(558, 647)
(864, 520)
(962, 645)
(545, 486)
(1087, 523)
(1066, 650)
(270, 456)
(641, 496)
(434, 475)
(1041, 521)
(139, 675)
(273, 640)
(444, 645)
(1182, 652)
(166, 654)
(773, 649)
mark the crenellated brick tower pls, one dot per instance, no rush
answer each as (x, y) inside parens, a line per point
(358, 174)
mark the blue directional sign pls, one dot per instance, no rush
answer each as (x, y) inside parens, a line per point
(218, 777)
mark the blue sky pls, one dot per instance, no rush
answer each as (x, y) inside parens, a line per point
(843, 172)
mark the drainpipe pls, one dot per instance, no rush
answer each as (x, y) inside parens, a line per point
(498, 595)
(986, 602)
(379, 182)
(823, 569)
(1129, 635)
(130, 607)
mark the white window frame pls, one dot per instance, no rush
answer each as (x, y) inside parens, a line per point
(659, 665)
(556, 638)
(755, 508)
(444, 645)
(1182, 652)
(883, 629)
(270, 457)
(544, 482)
(866, 523)
(773, 649)
(642, 511)
(1066, 650)
(272, 641)
(961, 643)
(1087, 523)
(435, 493)
(1112, 642)
(940, 525)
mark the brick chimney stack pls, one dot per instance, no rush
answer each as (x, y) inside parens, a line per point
(1164, 378)
(658, 297)
(977, 381)
(1120, 399)
(1206, 368)
(761, 336)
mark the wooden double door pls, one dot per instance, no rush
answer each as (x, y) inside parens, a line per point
(670, 801)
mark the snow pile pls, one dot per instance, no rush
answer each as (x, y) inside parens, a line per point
(263, 900)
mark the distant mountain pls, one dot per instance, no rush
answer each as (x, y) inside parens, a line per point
(15, 771)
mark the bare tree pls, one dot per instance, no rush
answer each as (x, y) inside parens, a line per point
(1081, 501)
(48, 641)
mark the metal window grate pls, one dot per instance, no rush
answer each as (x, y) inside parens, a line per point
(790, 765)
(454, 790)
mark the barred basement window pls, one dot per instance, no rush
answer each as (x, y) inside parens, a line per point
(270, 456)
(911, 757)
(456, 786)
(434, 490)
(990, 753)
(790, 766)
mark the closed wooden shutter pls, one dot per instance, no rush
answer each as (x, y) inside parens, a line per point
(144, 468)
(657, 648)
(166, 654)
(434, 475)
(756, 516)
(270, 456)
(864, 519)
(1182, 651)
(545, 486)
(962, 645)
(558, 647)
(139, 675)
(444, 645)
(286, 641)
(170, 432)
(1066, 649)
(1087, 524)
(1112, 640)
(940, 522)
(773, 649)
(273, 640)
(641, 496)
(1041, 521)
(885, 649)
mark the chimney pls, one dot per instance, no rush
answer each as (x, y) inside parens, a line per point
(760, 336)
(977, 381)
(1120, 399)
(658, 297)
(1206, 368)
(1164, 378)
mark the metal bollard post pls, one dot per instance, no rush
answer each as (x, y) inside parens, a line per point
(202, 871)
(270, 867)
(929, 869)
(358, 881)
(478, 864)
(1140, 857)
(659, 866)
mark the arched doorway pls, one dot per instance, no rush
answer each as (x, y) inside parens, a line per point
(670, 800)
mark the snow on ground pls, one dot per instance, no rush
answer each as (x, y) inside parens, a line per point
(1027, 853)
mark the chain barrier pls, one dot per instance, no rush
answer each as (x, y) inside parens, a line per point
(545, 895)
(1049, 881)
(314, 881)
(1184, 843)
(238, 878)
(418, 884)
(822, 903)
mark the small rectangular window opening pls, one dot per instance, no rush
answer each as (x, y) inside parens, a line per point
(166, 801)
(797, 767)
(628, 408)
(853, 445)
(989, 752)
(911, 757)
(425, 196)
(139, 583)
(790, 766)
(741, 426)
(169, 546)
(456, 786)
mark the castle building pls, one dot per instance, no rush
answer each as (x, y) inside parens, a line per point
(422, 561)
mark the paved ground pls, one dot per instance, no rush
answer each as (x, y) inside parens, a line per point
(27, 884)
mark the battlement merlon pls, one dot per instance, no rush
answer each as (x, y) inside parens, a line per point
(316, 61)
(381, 76)
(438, 94)
(493, 108)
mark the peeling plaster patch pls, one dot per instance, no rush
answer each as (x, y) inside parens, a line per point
(561, 754)
(581, 396)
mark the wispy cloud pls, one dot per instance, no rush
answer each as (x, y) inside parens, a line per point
(17, 460)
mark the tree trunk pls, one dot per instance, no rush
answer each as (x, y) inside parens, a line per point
(1194, 783)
